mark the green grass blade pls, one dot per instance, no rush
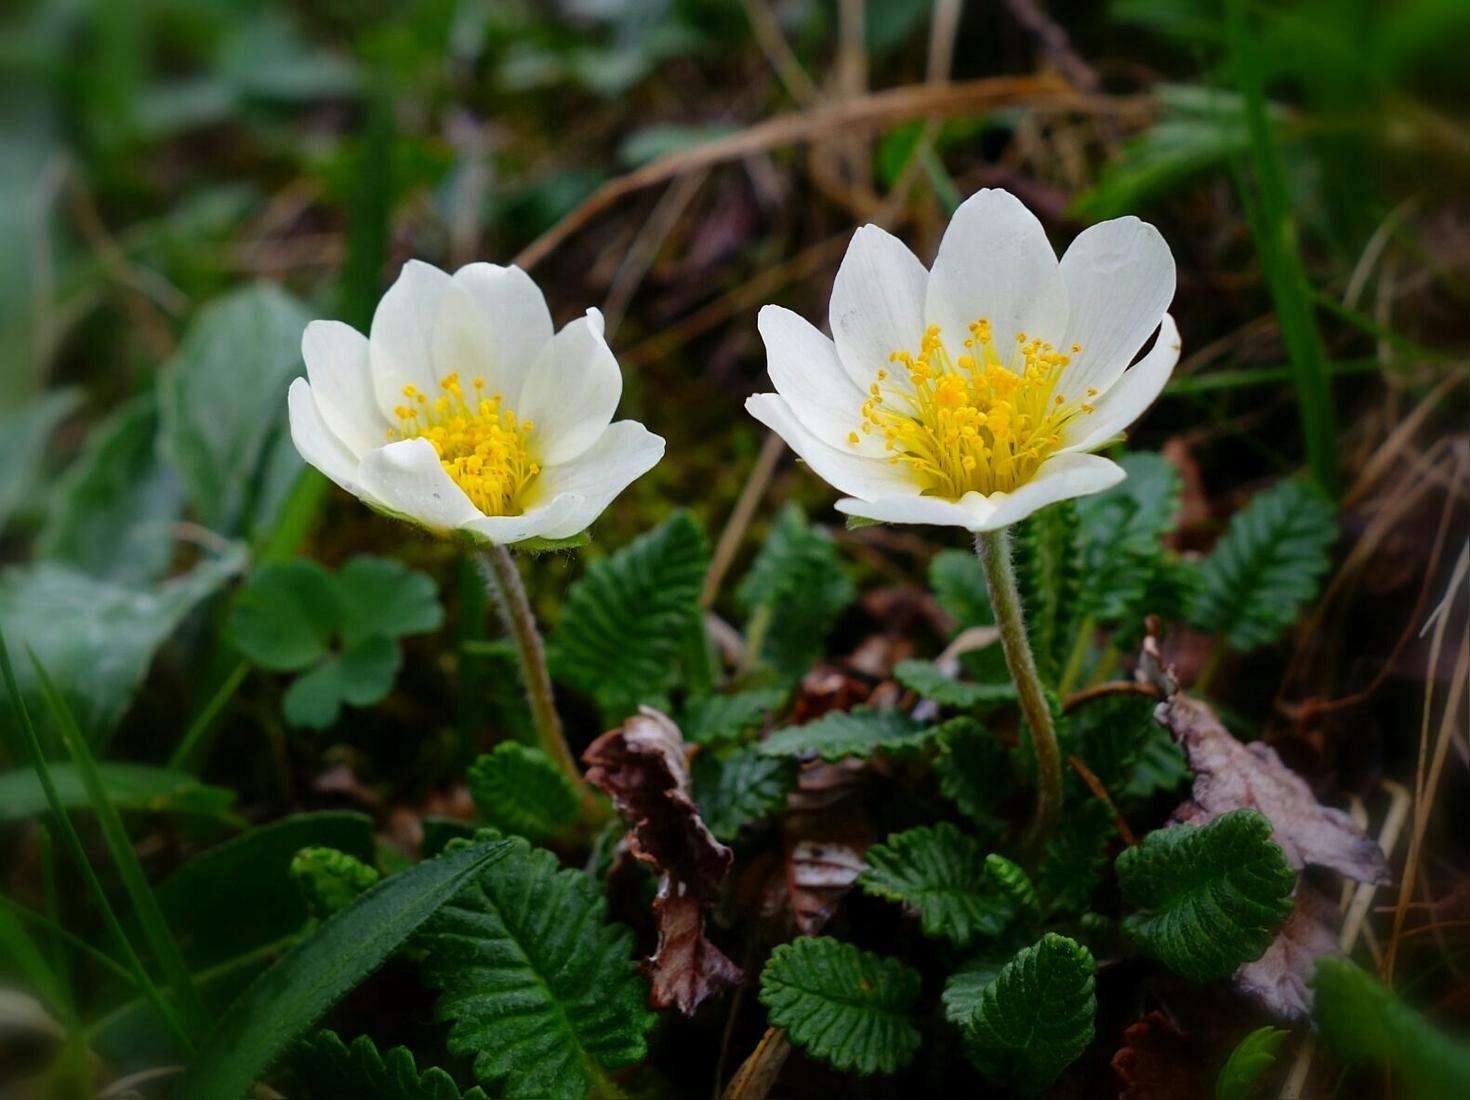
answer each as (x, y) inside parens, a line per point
(145, 906)
(292, 995)
(1281, 262)
(79, 856)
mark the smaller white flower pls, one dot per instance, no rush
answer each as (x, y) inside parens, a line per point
(972, 395)
(461, 411)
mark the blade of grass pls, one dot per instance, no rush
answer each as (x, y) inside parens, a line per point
(189, 747)
(74, 848)
(145, 906)
(1253, 377)
(17, 945)
(1281, 262)
(14, 910)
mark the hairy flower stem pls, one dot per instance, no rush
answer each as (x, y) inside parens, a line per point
(503, 583)
(994, 549)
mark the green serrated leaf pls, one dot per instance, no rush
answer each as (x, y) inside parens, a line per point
(963, 988)
(386, 598)
(519, 790)
(1363, 1020)
(1119, 535)
(858, 732)
(926, 679)
(958, 583)
(330, 880)
(539, 988)
(1048, 572)
(1013, 884)
(1036, 1016)
(1075, 857)
(739, 788)
(626, 620)
(1160, 767)
(1268, 563)
(1252, 1056)
(325, 1068)
(847, 1007)
(799, 580)
(940, 873)
(286, 615)
(715, 718)
(974, 772)
(1109, 736)
(292, 995)
(1211, 897)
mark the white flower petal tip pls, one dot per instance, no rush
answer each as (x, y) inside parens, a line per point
(970, 395)
(464, 412)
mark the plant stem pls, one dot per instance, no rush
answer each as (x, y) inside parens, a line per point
(188, 747)
(994, 549)
(503, 583)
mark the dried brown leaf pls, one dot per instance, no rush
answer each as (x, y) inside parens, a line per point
(827, 832)
(641, 766)
(1158, 1062)
(1277, 981)
(1229, 775)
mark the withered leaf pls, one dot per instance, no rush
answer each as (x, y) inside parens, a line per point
(1277, 981)
(641, 766)
(1229, 775)
(827, 832)
(1159, 1062)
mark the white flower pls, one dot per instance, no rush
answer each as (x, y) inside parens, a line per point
(462, 412)
(971, 395)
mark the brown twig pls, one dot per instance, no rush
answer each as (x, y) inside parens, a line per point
(1110, 687)
(1095, 785)
(740, 516)
(756, 1075)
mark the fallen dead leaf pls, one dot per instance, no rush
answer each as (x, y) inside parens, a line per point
(1229, 775)
(641, 766)
(1159, 1062)
(1277, 981)
(827, 832)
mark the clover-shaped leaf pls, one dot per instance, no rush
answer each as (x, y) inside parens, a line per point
(338, 630)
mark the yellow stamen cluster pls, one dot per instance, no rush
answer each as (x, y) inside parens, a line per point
(975, 422)
(481, 443)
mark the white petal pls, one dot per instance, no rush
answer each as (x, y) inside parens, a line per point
(315, 441)
(572, 390)
(407, 478)
(533, 523)
(339, 367)
(1059, 478)
(877, 303)
(1120, 279)
(805, 370)
(868, 478)
(969, 512)
(401, 336)
(1130, 395)
(996, 262)
(624, 452)
(520, 324)
(461, 341)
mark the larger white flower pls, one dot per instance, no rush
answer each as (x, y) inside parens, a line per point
(461, 411)
(973, 394)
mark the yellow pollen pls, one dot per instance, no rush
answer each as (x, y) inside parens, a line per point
(481, 443)
(979, 422)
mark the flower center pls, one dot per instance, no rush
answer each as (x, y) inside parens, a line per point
(481, 443)
(974, 422)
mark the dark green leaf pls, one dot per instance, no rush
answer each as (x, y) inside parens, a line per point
(738, 788)
(368, 668)
(800, 583)
(714, 718)
(927, 680)
(1211, 897)
(1036, 1016)
(325, 1068)
(859, 732)
(519, 790)
(1119, 535)
(625, 621)
(959, 586)
(131, 787)
(1268, 563)
(25, 429)
(314, 699)
(848, 1007)
(387, 598)
(1049, 575)
(940, 873)
(539, 988)
(1362, 1020)
(113, 513)
(223, 402)
(286, 615)
(974, 772)
(292, 995)
(1074, 859)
